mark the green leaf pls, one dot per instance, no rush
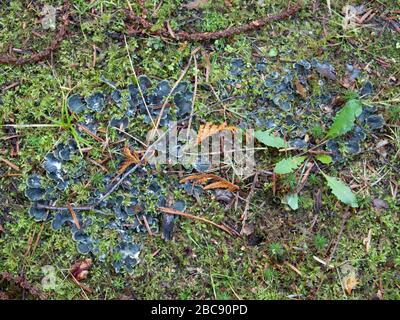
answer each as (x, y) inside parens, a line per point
(288, 165)
(324, 158)
(342, 191)
(269, 139)
(292, 200)
(273, 52)
(344, 119)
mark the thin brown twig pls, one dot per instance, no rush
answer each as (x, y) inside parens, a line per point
(37, 239)
(146, 223)
(9, 163)
(305, 177)
(90, 133)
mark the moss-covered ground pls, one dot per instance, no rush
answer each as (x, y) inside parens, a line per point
(282, 258)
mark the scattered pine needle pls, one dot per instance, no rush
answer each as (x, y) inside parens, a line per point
(90, 133)
(219, 183)
(10, 164)
(73, 214)
(227, 229)
(146, 223)
(294, 268)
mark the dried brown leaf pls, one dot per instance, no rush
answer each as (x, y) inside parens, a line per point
(349, 284)
(209, 129)
(198, 178)
(130, 158)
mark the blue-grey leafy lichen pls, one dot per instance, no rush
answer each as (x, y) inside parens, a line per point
(283, 100)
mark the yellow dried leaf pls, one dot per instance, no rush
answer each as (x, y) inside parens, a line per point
(209, 129)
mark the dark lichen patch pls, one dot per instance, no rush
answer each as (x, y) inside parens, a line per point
(76, 103)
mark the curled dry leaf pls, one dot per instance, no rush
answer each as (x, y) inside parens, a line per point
(349, 280)
(349, 283)
(216, 182)
(80, 269)
(209, 129)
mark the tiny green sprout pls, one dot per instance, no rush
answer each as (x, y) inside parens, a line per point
(317, 131)
(276, 250)
(66, 123)
(320, 242)
(269, 275)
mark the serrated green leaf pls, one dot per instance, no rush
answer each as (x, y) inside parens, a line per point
(269, 139)
(342, 191)
(292, 200)
(288, 165)
(324, 158)
(344, 119)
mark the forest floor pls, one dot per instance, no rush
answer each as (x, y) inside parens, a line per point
(292, 76)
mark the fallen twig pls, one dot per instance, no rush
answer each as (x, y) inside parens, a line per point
(142, 26)
(346, 216)
(54, 45)
(24, 284)
(146, 223)
(305, 177)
